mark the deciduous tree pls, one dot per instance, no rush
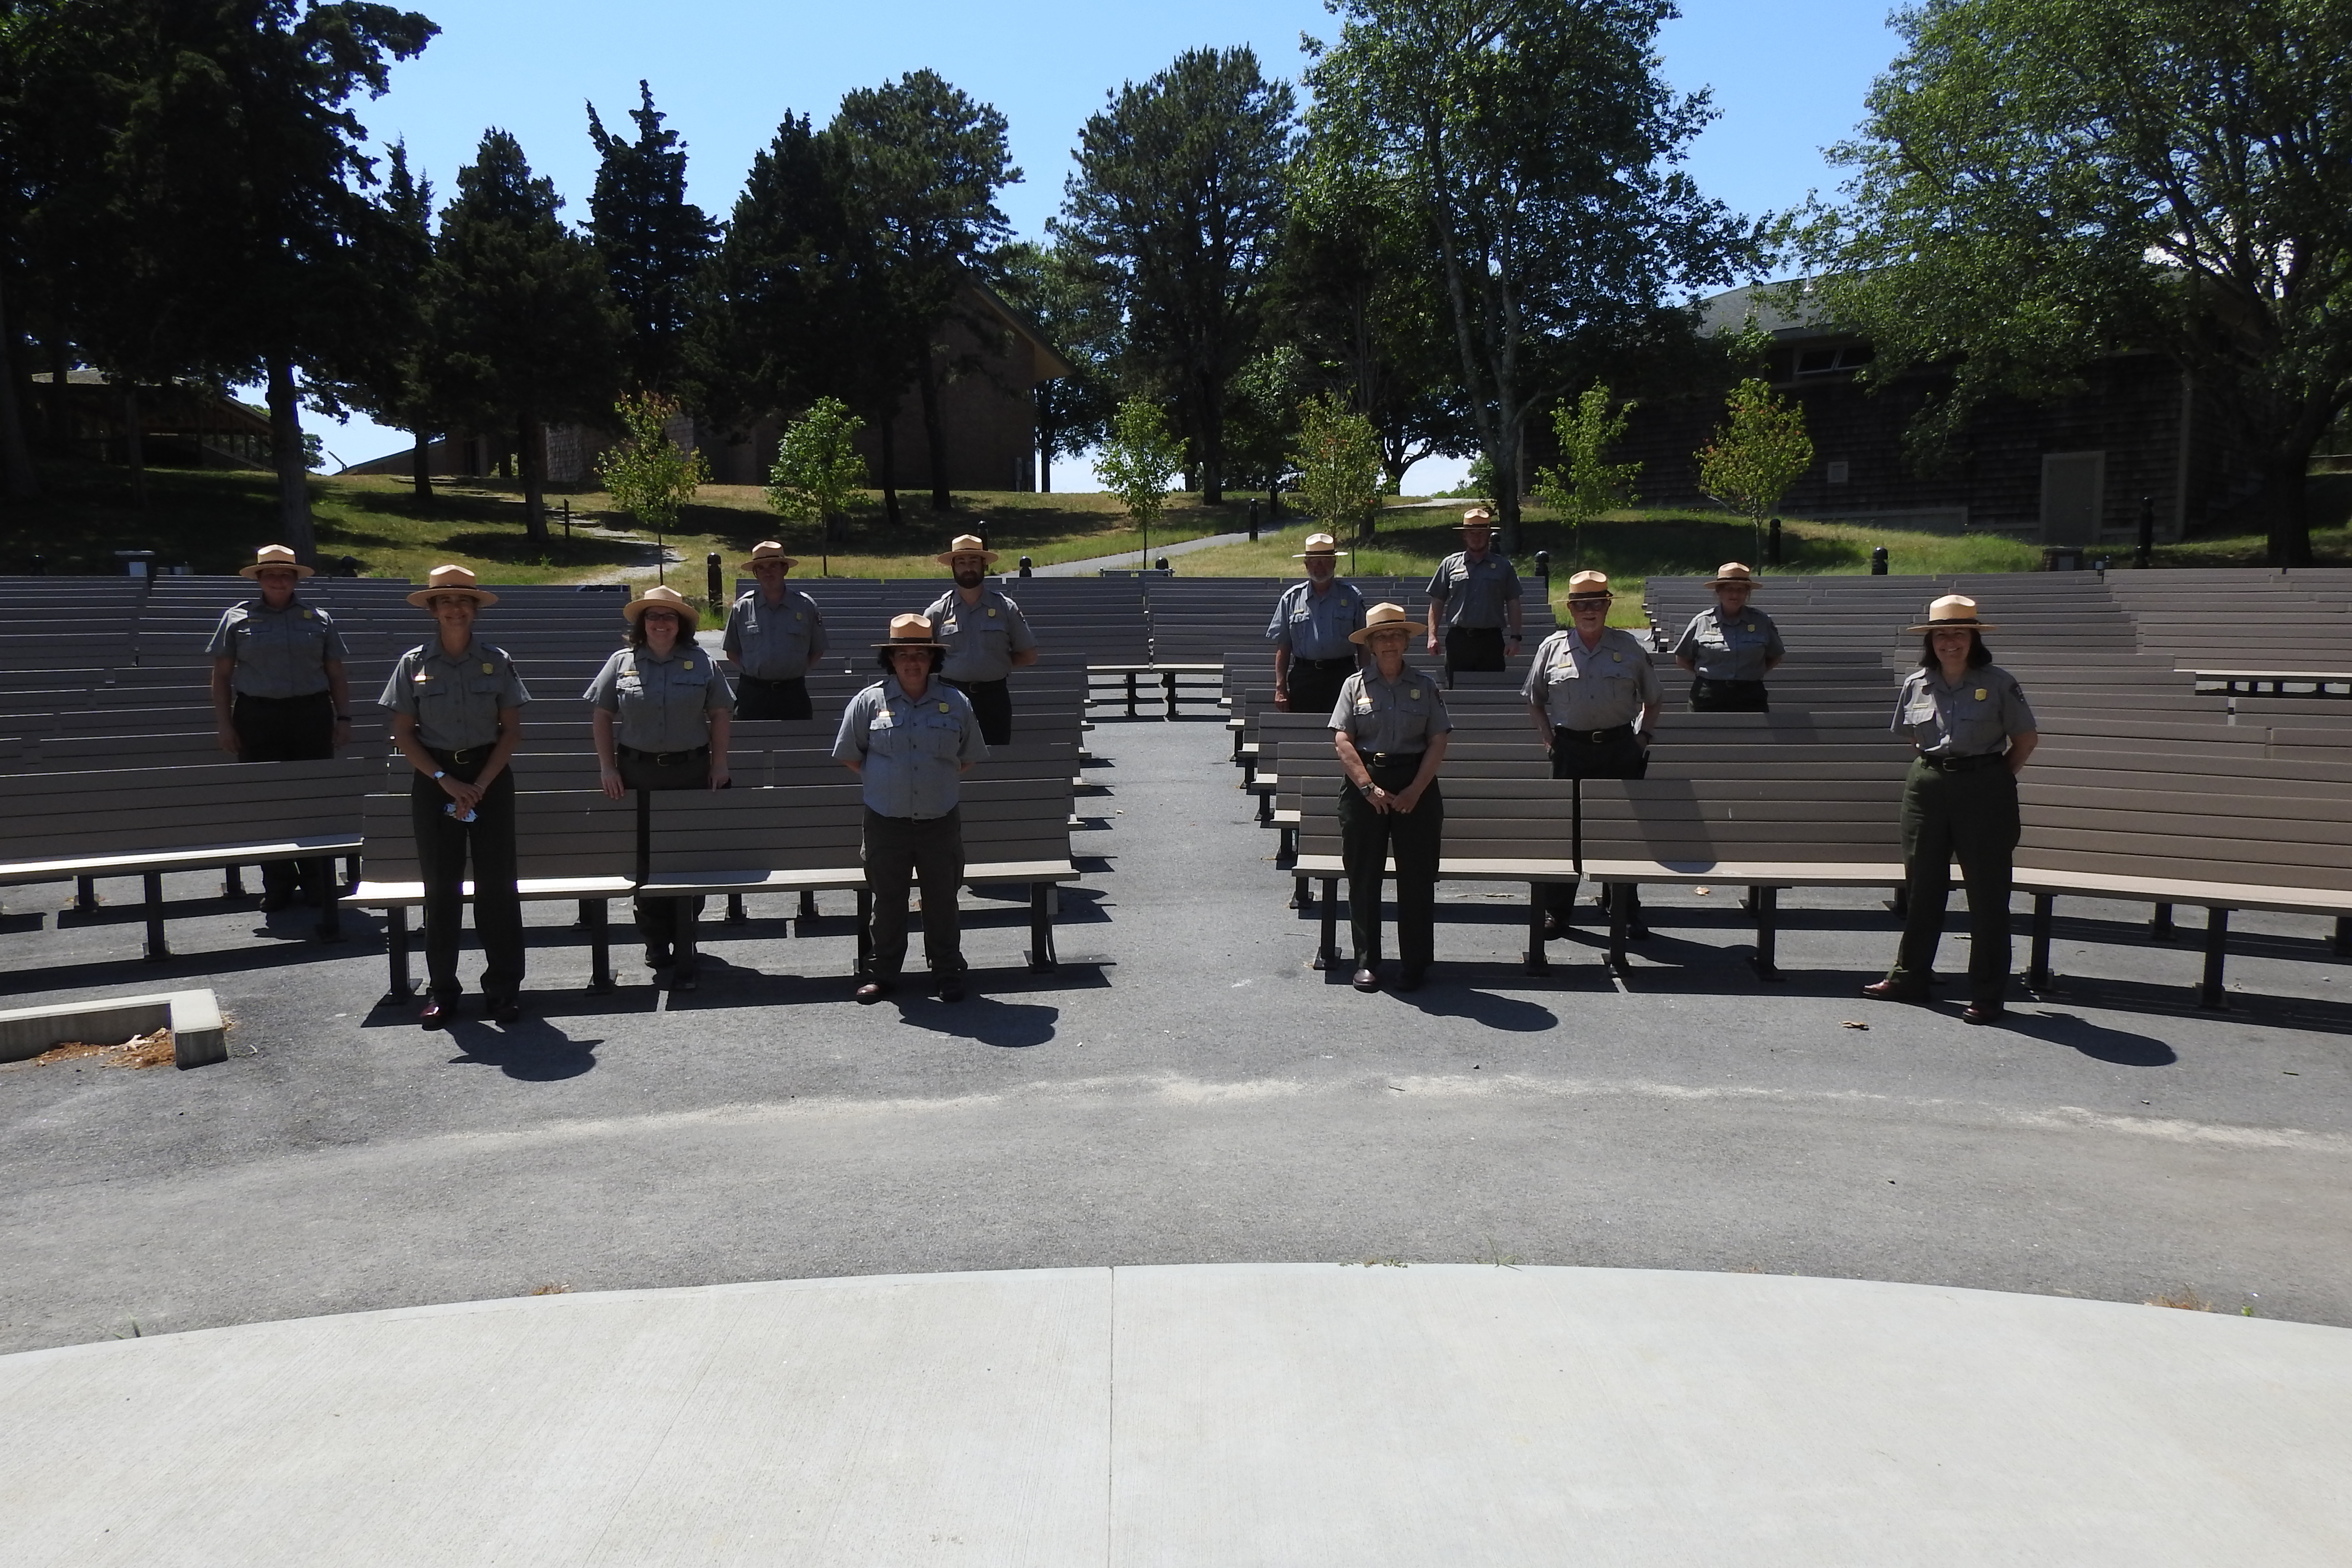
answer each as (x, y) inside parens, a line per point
(1139, 461)
(648, 475)
(1586, 483)
(1759, 451)
(817, 467)
(1338, 461)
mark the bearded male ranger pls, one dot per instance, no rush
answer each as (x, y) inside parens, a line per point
(985, 635)
(774, 634)
(1312, 632)
(1474, 592)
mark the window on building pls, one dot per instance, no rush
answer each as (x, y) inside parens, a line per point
(1825, 362)
(1837, 473)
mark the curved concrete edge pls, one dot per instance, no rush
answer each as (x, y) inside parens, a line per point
(1205, 1415)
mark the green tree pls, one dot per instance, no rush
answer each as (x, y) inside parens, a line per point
(817, 467)
(1339, 458)
(648, 475)
(1587, 484)
(526, 327)
(918, 165)
(1759, 452)
(1139, 462)
(1066, 300)
(391, 379)
(2041, 182)
(1179, 193)
(1262, 405)
(652, 240)
(1538, 142)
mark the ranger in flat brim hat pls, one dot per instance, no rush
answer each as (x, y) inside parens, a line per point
(662, 597)
(1731, 573)
(1476, 516)
(966, 544)
(1318, 544)
(1589, 585)
(445, 581)
(768, 550)
(274, 558)
(1385, 618)
(1952, 613)
(911, 631)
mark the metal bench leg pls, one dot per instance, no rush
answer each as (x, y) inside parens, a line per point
(1619, 899)
(1302, 893)
(735, 915)
(808, 903)
(232, 881)
(1168, 684)
(2344, 936)
(2037, 965)
(1287, 844)
(1899, 905)
(85, 894)
(351, 872)
(865, 931)
(1264, 806)
(157, 948)
(1130, 694)
(396, 948)
(331, 903)
(2217, 952)
(1539, 960)
(1327, 952)
(1041, 928)
(1766, 904)
(2159, 924)
(598, 914)
(687, 919)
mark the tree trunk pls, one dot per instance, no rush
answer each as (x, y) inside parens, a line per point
(888, 426)
(531, 457)
(294, 529)
(1213, 450)
(1044, 466)
(935, 436)
(420, 465)
(15, 455)
(134, 445)
(59, 419)
(2284, 491)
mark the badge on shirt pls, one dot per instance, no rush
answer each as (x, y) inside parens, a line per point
(682, 664)
(489, 668)
(1414, 692)
(1750, 626)
(1980, 693)
(943, 707)
(1616, 659)
(991, 615)
(306, 615)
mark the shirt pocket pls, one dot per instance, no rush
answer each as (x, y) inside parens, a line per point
(493, 687)
(936, 735)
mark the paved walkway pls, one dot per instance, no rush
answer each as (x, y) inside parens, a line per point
(1135, 558)
(1209, 1416)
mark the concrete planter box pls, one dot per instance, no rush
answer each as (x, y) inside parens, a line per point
(193, 1017)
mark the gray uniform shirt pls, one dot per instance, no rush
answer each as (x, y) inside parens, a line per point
(1980, 716)
(663, 703)
(1384, 715)
(775, 642)
(454, 698)
(1591, 689)
(981, 638)
(1315, 625)
(1472, 593)
(279, 653)
(911, 749)
(1730, 647)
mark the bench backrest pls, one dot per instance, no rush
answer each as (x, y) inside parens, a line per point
(557, 834)
(2238, 818)
(60, 816)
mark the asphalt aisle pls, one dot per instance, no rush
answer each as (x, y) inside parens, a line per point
(1186, 1089)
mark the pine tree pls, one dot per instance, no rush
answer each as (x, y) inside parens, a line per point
(653, 241)
(525, 324)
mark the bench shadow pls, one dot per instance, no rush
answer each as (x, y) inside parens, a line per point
(531, 1051)
(980, 1017)
(2097, 1041)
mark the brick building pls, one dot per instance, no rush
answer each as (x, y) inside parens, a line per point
(2070, 471)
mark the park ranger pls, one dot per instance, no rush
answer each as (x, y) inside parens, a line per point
(1472, 593)
(911, 737)
(279, 694)
(1312, 632)
(1589, 684)
(661, 721)
(1390, 728)
(456, 716)
(985, 635)
(1729, 649)
(774, 634)
(1974, 730)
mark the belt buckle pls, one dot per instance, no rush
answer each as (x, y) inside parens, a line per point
(1597, 736)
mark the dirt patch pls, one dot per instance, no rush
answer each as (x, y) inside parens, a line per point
(153, 1050)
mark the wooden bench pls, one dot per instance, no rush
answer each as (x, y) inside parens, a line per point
(569, 845)
(145, 822)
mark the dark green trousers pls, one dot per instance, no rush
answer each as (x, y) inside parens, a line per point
(1970, 816)
(1368, 838)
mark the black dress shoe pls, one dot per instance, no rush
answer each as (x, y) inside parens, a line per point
(506, 1010)
(873, 991)
(1555, 927)
(436, 1015)
(1366, 980)
(1984, 1013)
(273, 902)
(1896, 991)
(1413, 979)
(1636, 932)
(682, 978)
(951, 988)
(657, 957)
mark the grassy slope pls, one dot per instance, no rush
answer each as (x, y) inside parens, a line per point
(213, 522)
(1630, 547)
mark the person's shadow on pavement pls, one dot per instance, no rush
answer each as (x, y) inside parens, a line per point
(533, 1050)
(2097, 1041)
(1015, 1025)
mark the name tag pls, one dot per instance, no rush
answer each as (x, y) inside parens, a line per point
(881, 722)
(1363, 705)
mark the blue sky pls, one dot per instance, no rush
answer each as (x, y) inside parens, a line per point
(1788, 76)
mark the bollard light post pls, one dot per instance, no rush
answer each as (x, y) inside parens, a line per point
(1878, 562)
(1252, 522)
(1024, 566)
(711, 570)
(2144, 555)
(1543, 568)
(1772, 544)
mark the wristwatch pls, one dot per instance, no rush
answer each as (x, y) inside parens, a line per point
(437, 773)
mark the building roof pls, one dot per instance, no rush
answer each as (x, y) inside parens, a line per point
(1788, 310)
(1050, 363)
